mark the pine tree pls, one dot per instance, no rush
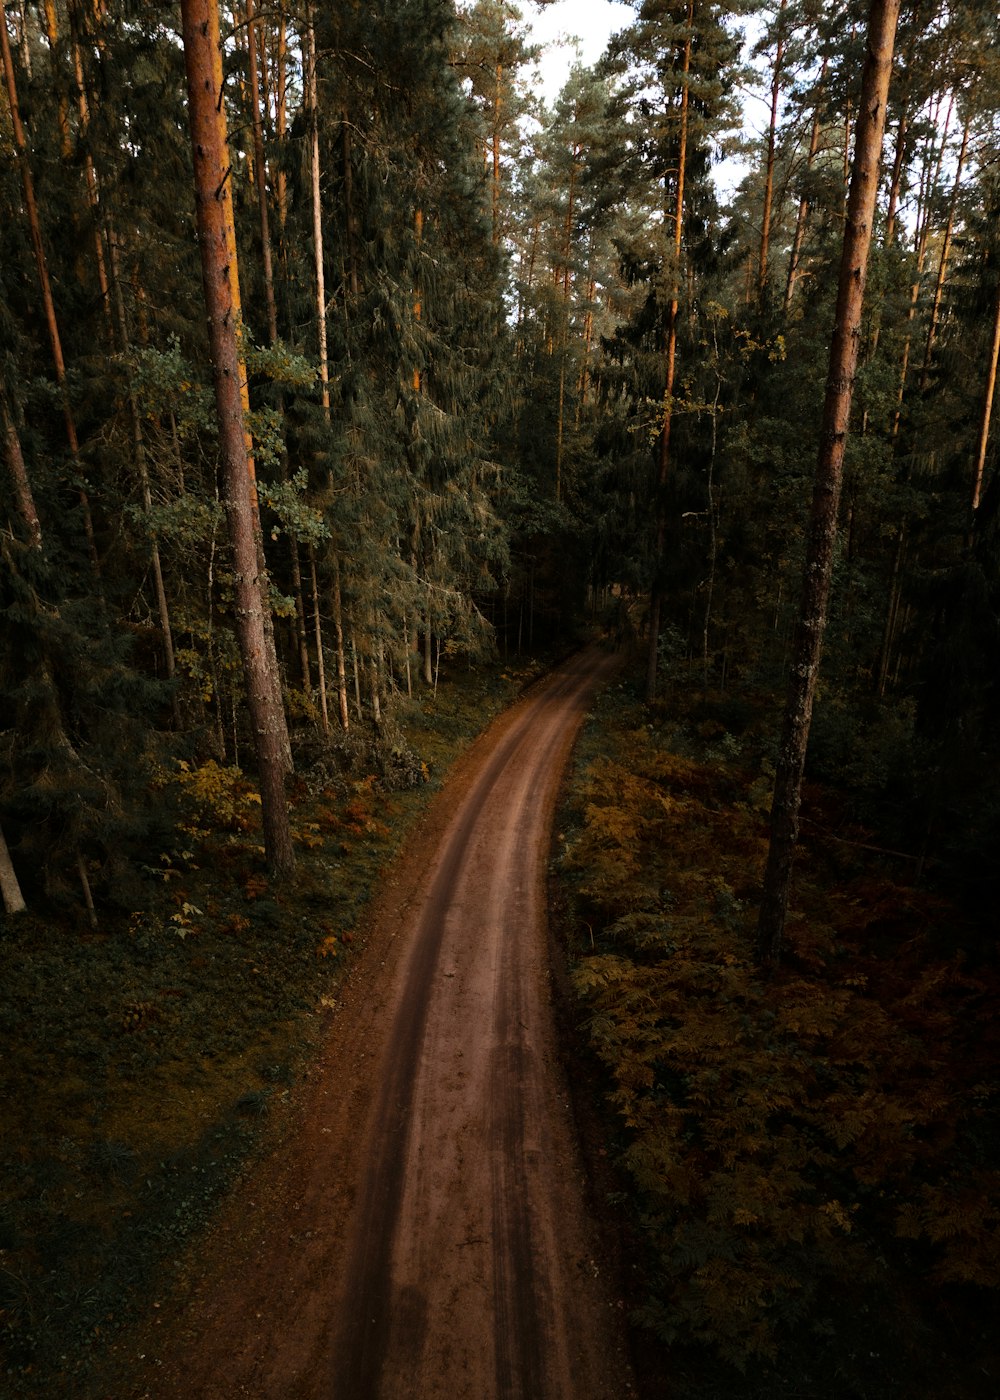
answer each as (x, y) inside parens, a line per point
(844, 349)
(202, 51)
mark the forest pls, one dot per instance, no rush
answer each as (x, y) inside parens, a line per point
(344, 384)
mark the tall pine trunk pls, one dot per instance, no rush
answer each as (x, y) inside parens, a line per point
(882, 21)
(663, 456)
(772, 132)
(200, 21)
(23, 495)
(987, 413)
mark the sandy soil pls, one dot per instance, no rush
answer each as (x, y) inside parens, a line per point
(424, 1232)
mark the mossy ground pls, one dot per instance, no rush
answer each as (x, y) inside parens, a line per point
(144, 1060)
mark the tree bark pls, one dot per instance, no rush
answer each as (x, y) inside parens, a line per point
(870, 126)
(200, 22)
(320, 660)
(309, 64)
(10, 889)
(19, 476)
(338, 632)
(772, 130)
(663, 463)
(802, 217)
(90, 174)
(984, 422)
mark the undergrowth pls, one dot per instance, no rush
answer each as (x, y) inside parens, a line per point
(808, 1161)
(143, 1061)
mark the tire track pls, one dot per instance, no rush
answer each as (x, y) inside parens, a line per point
(452, 1280)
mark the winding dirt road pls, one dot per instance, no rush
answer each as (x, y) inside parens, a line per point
(425, 1232)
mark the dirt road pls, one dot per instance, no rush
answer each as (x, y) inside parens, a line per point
(425, 1234)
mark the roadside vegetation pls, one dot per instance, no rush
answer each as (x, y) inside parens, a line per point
(806, 1159)
(145, 1060)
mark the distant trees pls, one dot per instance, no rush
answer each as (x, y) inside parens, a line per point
(498, 359)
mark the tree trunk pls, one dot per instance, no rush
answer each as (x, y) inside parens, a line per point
(52, 36)
(90, 175)
(10, 889)
(350, 215)
(19, 476)
(495, 154)
(772, 130)
(663, 466)
(261, 178)
(309, 65)
(320, 661)
(418, 235)
(984, 422)
(882, 21)
(942, 271)
(202, 58)
(338, 632)
(88, 896)
(802, 217)
(281, 118)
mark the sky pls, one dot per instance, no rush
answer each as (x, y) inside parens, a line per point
(591, 21)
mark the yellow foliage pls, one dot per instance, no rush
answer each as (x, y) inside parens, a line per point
(216, 798)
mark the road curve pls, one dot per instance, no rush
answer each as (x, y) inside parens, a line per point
(423, 1232)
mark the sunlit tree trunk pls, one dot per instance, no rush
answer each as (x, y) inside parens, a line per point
(52, 37)
(309, 66)
(21, 21)
(984, 422)
(882, 21)
(202, 57)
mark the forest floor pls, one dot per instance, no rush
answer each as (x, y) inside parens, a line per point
(270, 1143)
(424, 1228)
